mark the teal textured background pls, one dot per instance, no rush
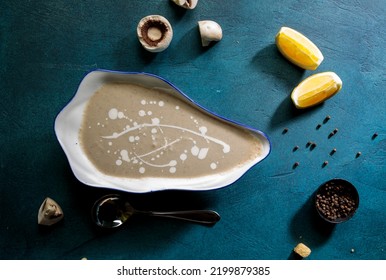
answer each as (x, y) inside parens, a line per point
(46, 48)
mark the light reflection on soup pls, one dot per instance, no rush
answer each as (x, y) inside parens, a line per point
(135, 132)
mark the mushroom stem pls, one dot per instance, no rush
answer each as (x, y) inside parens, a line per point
(49, 212)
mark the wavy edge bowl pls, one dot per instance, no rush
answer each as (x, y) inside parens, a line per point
(69, 120)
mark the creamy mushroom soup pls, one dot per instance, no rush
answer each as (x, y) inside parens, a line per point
(135, 132)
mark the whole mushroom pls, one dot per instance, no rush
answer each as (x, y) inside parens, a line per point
(49, 212)
(210, 31)
(154, 33)
(187, 4)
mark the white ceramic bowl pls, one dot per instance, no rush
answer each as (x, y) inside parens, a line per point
(69, 121)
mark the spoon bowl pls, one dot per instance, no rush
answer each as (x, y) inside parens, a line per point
(112, 211)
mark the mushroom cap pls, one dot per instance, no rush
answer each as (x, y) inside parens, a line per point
(187, 4)
(210, 31)
(154, 33)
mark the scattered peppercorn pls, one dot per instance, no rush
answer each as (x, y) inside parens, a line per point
(332, 133)
(326, 119)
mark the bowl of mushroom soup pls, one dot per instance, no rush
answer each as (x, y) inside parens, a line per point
(137, 132)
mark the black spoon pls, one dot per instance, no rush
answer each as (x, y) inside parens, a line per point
(112, 211)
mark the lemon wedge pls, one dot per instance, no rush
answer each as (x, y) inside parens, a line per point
(316, 89)
(298, 49)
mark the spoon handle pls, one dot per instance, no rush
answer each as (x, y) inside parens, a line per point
(207, 217)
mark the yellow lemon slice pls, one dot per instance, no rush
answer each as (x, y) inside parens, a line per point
(298, 49)
(316, 89)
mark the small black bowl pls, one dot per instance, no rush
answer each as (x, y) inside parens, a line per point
(336, 201)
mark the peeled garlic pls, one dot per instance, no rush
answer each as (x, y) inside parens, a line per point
(210, 31)
(49, 212)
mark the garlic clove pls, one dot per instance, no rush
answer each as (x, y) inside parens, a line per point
(187, 4)
(49, 212)
(154, 33)
(210, 31)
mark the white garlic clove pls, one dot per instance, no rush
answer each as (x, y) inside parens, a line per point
(154, 33)
(210, 31)
(49, 212)
(187, 4)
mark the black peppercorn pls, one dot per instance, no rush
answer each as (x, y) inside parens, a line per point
(332, 133)
(336, 201)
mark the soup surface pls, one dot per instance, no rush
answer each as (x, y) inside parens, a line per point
(132, 131)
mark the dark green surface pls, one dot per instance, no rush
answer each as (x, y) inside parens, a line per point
(46, 47)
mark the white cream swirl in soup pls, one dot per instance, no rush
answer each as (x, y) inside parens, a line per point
(136, 132)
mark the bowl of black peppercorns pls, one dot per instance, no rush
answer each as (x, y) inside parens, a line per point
(336, 201)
